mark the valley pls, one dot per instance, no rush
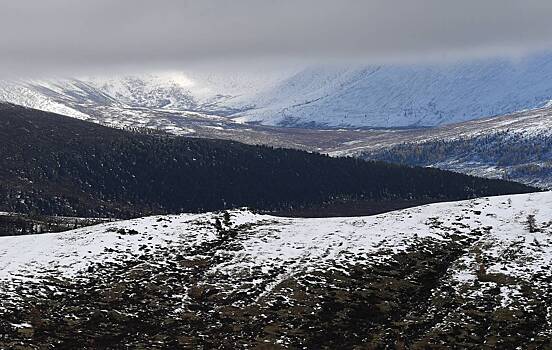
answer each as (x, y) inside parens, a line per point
(57, 165)
(274, 175)
(215, 106)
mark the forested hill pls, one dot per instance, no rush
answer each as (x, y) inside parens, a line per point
(51, 164)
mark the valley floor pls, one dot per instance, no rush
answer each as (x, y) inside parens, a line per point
(471, 274)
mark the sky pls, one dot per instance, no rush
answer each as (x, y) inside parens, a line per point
(68, 36)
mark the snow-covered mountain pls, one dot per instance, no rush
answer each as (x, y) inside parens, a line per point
(398, 95)
(488, 145)
(28, 95)
(405, 95)
(463, 274)
(202, 111)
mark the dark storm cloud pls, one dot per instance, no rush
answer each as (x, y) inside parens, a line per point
(64, 35)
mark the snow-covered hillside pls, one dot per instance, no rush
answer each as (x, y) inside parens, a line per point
(22, 94)
(467, 273)
(148, 90)
(517, 147)
(293, 244)
(405, 95)
(394, 95)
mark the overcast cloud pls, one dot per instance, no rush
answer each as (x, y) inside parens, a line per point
(61, 36)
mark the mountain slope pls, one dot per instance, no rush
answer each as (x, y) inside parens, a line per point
(516, 146)
(388, 96)
(405, 95)
(472, 274)
(53, 164)
(30, 96)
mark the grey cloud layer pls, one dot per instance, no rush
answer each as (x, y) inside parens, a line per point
(53, 35)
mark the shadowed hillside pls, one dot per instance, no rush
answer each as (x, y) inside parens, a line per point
(51, 164)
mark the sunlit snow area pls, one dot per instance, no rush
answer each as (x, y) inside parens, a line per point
(302, 244)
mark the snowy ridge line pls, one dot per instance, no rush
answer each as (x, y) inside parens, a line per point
(292, 245)
(324, 96)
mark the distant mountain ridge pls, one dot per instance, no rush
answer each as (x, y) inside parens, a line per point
(388, 96)
(405, 96)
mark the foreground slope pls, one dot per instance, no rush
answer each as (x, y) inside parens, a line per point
(471, 274)
(51, 164)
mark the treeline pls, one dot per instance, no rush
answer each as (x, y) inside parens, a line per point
(500, 148)
(50, 164)
(521, 156)
(23, 224)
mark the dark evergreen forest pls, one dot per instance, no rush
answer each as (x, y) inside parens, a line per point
(55, 165)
